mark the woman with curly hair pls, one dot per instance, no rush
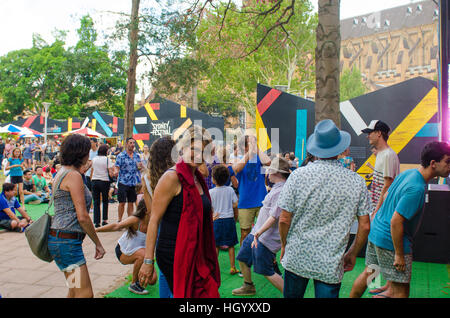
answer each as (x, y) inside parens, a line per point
(72, 222)
(181, 208)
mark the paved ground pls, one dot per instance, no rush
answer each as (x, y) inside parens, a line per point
(23, 275)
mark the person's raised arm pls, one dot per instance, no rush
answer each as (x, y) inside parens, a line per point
(165, 190)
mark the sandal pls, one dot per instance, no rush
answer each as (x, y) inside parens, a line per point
(376, 291)
(233, 271)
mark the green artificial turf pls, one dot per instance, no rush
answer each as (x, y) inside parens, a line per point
(429, 280)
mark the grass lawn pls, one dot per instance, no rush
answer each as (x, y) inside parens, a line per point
(429, 280)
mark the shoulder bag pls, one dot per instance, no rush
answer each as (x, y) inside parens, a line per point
(37, 232)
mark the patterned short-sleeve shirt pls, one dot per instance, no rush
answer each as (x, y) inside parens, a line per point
(129, 173)
(324, 198)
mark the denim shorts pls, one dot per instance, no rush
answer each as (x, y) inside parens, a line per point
(67, 253)
(261, 257)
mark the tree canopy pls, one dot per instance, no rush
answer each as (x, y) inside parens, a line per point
(237, 47)
(75, 81)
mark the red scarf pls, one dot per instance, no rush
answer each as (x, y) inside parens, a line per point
(196, 272)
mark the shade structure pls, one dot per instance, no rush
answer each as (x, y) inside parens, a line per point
(86, 132)
(28, 133)
(10, 128)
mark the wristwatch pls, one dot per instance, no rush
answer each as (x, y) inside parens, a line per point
(149, 261)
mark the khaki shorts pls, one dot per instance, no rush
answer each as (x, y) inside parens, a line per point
(247, 217)
(384, 260)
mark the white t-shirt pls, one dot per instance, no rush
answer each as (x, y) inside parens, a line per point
(100, 169)
(222, 199)
(386, 165)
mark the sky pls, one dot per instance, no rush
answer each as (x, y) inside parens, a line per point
(19, 19)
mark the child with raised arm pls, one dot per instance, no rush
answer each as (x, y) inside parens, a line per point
(224, 202)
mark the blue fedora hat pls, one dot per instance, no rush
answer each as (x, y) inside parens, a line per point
(327, 141)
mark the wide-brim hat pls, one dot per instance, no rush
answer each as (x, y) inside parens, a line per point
(327, 141)
(280, 165)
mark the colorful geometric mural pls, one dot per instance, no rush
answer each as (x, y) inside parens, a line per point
(409, 108)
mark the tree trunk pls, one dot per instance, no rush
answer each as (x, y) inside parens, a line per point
(131, 85)
(328, 49)
(195, 97)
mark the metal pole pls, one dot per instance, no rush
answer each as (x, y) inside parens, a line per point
(46, 106)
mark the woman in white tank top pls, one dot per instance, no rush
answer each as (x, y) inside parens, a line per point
(131, 245)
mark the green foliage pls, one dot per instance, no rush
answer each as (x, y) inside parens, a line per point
(236, 48)
(351, 84)
(67, 78)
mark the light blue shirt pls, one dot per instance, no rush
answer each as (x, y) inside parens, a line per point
(324, 198)
(406, 196)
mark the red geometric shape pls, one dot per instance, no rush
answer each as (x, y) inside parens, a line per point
(41, 120)
(115, 124)
(268, 100)
(29, 121)
(76, 125)
(155, 106)
(141, 136)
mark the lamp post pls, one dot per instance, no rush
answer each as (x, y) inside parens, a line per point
(46, 106)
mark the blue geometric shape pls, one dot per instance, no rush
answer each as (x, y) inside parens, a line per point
(429, 130)
(300, 134)
(102, 123)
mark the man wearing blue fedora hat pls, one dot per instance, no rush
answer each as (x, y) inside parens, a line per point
(319, 203)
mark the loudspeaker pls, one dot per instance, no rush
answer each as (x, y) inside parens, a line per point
(431, 242)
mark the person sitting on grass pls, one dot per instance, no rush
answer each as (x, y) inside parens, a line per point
(29, 189)
(131, 246)
(41, 184)
(8, 206)
(224, 201)
(263, 243)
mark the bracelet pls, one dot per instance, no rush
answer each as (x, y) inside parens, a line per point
(148, 261)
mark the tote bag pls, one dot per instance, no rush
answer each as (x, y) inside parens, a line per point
(37, 233)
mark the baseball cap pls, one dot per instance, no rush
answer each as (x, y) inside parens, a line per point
(376, 125)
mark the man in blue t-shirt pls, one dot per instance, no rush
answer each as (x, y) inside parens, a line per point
(8, 206)
(252, 189)
(390, 240)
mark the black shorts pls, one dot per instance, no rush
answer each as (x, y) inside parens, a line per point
(16, 179)
(118, 252)
(126, 193)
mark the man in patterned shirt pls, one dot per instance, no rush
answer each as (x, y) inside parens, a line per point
(319, 203)
(128, 165)
(387, 167)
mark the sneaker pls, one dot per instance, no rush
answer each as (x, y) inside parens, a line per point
(136, 288)
(104, 223)
(240, 274)
(97, 225)
(244, 290)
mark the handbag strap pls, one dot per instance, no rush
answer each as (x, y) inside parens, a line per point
(55, 189)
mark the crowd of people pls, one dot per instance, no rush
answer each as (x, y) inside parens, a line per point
(182, 207)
